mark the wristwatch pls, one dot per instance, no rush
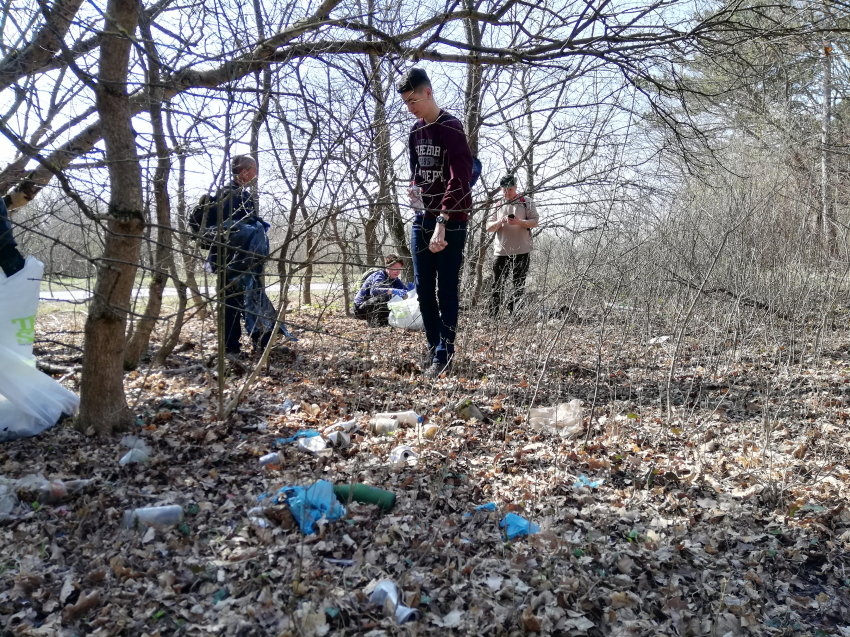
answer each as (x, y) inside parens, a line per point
(441, 219)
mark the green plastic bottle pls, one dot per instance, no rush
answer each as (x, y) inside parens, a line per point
(365, 494)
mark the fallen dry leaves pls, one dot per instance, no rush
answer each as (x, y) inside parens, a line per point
(713, 524)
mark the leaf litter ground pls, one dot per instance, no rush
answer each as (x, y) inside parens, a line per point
(726, 516)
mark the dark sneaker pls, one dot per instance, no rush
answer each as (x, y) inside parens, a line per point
(427, 359)
(238, 360)
(437, 369)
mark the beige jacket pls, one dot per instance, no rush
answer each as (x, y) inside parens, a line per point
(512, 240)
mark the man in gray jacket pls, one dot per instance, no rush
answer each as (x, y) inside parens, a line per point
(512, 221)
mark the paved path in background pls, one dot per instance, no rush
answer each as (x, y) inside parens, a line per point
(78, 296)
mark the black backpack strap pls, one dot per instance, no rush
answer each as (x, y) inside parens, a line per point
(525, 205)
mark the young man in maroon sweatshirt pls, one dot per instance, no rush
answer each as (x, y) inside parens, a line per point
(441, 169)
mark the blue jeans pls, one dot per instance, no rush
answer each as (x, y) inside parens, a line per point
(246, 298)
(437, 276)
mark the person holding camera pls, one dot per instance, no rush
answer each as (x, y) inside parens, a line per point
(512, 221)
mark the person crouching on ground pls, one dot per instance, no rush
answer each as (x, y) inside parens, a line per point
(370, 304)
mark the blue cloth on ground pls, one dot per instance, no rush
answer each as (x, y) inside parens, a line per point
(516, 526)
(310, 505)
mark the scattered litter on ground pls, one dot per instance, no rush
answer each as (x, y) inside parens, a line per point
(154, 516)
(467, 410)
(517, 526)
(388, 595)
(565, 419)
(403, 455)
(366, 494)
(310, 505)
(304, 433)
(584, 481)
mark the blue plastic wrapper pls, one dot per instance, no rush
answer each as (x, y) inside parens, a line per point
(490, 506)
(304, 433)
(309, 505)
(583, 481)
(517, 526)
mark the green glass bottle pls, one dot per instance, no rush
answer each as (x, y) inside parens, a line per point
(365, 494)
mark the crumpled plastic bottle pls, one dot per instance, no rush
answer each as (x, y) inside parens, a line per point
(348, 426)
(140, 451)
(403, 454)
(154, 516)
(134, 455)
(274, 457)
(408, 417)
(338, 439)
(387, 594)
(315, 445)
(383, 425)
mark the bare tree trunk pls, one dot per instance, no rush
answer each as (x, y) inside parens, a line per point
(163, 260)
(830, 230)
(170, 341)
(343, 251)
(483, 244)
(387, 205)
(472, 124)
(263, 104)
(370, 231)
(188, 252)
(529, 122)
(308, 268)
(103, 404)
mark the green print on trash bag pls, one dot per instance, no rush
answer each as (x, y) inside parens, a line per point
(26, 330)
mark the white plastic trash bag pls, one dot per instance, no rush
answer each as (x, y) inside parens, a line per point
(404, 313)
(30, 401)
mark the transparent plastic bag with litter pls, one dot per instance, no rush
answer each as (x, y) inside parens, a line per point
(565, 418)
(404, 313)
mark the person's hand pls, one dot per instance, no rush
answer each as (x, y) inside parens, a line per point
(438, 239)
(512, 221)
(414, 193)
